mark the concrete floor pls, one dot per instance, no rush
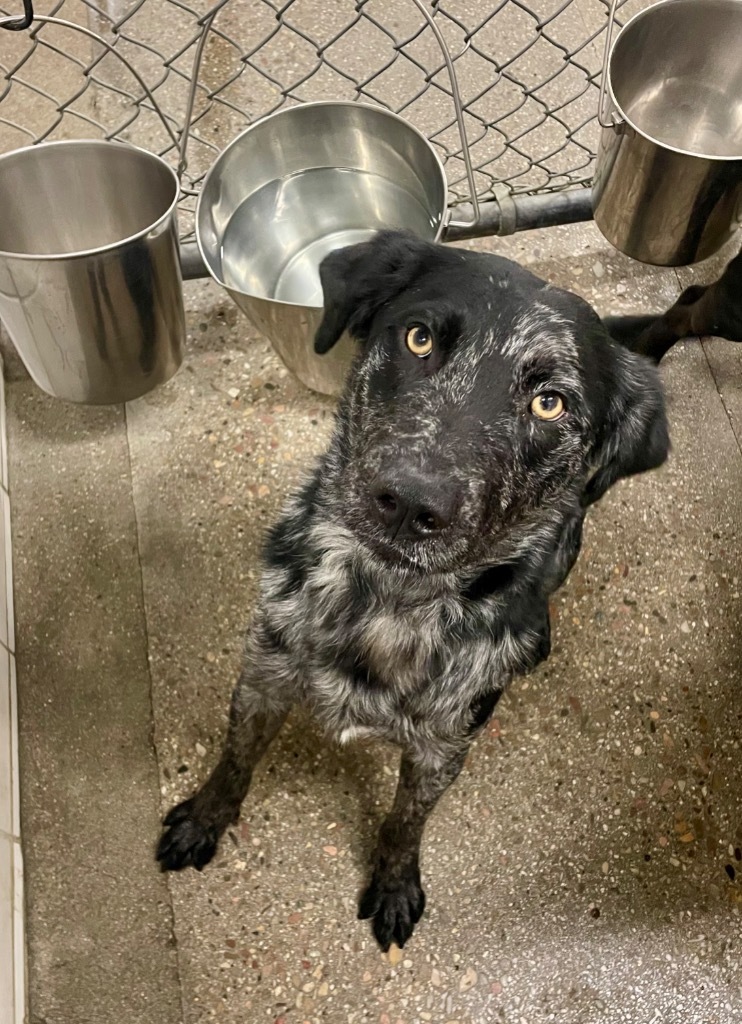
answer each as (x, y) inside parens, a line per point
(584, 868)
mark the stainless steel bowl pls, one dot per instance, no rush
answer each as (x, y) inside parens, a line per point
(293, 187)
(668, 178)
(90, 285)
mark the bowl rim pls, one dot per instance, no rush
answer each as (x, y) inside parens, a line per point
(97, 250)
(608, 70)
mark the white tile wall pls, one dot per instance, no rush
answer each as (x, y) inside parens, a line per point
(6, 747)
(7, 955)
(12, 934)
(15, 774)
(3, 438)
(19, 937)
(5, 528)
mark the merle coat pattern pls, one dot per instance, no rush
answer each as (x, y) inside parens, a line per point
(408, 581)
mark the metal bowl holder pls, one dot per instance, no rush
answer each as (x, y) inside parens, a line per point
(606, 120)
(507, 208)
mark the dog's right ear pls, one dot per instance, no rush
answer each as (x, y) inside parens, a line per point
(359, 279)
(633, 436)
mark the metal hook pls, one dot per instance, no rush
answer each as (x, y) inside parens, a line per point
(602, 118)
(205, 23)
(458, 106)
(19, 24)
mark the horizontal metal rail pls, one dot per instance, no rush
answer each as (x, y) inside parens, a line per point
(522, 213)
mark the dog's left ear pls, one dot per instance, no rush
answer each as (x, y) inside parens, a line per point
(633, 436)
(359, 279)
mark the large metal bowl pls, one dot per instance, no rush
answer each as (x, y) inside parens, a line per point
(293, 187)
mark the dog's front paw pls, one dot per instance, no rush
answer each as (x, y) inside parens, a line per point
(187, 841)
(396, 904)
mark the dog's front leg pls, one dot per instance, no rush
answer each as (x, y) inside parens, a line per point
(395, 898)
(260, 704)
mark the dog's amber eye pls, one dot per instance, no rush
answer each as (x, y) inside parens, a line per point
(548, 406)
(419, 340)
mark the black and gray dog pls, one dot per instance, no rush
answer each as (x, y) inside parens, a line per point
(408, 582)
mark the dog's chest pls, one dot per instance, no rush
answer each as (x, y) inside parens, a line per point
(389, 665)
(383, 635)
(396, 645)
(385, 654)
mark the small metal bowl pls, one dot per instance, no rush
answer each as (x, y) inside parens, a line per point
(295, 186)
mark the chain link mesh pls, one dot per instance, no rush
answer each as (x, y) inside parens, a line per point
(528, 75)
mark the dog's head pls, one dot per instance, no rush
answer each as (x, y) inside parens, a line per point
(483, 403)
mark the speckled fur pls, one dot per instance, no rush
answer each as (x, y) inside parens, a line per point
(415, 640)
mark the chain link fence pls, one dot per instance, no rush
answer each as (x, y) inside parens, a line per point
(528, 75)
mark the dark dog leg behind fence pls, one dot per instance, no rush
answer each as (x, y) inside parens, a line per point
(713, 309)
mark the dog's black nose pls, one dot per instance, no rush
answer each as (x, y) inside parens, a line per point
(413, 506)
